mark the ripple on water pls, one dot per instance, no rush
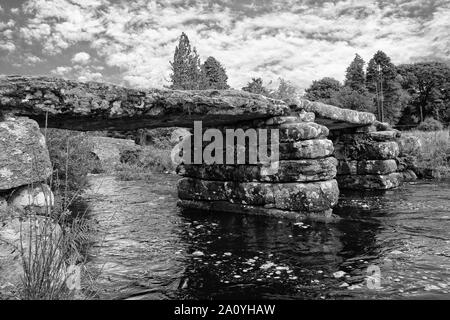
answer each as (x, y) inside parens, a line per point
(147, 249)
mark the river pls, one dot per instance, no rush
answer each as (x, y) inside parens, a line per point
(392, 244)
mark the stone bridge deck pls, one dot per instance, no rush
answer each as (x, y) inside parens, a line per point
(98, 106)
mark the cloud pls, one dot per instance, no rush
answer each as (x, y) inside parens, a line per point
(299, 40)
(81, 58)
(61, 71)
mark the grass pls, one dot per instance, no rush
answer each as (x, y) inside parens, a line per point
(141, 164)
(435, 154)
(51, 245)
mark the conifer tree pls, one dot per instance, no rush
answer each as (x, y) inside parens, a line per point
(213, 75)
(186, 73)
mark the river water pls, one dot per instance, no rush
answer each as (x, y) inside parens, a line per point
(393, 244)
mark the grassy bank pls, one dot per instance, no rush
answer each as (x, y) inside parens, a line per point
(435, 154)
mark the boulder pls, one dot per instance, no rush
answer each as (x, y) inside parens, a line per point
(24, 158)
(370, 181)
(311, 196)
(409, 146)
(39, 197)
(178, 135)
(408, 175)
(288, 171)
(366, 167)
(108, 150)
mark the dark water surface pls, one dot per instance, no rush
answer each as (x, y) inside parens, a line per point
(147, 249)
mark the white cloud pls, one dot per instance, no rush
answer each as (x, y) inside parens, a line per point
(61, 71)
(90, 76)
(297, 40)
(81, 58)
(7, 46)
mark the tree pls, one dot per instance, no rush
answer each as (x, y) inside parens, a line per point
(186, 73)
(355, 77)
(213, 75)
(382, 81)
(323, 90)
(349, 98)
(256, 86)
(428, 84)
(286, 91)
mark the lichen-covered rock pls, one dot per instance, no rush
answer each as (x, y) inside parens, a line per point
(408, 175)
(333, 113)
(366, 150)
(312, 196)
(385, 135)
(97, 106)
(288, 171)
(409, 145)
(370, 181)
(302, 131)
(39, 197)
(366, 166)
(306, 149)
(24, 158)
(227, 207)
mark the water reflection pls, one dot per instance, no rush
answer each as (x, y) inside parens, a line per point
(148, 249)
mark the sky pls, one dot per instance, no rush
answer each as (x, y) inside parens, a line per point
(131, 42)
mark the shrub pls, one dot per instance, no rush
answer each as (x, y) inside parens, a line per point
(435, 151)
(430, 124)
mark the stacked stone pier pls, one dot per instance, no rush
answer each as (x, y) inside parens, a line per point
(302, 184)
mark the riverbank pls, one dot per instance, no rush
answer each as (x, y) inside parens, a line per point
(434, 158)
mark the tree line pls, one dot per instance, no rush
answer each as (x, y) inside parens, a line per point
(406, 94)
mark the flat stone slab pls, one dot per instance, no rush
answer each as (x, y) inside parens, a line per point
(306, 149)
(302, 131)
(288, 171)
(366, 167)
(366, 150)
(24, 158)
(377, 182)
(334, 117)
(98, 106)
(389, 135)
(297, 196)
(235, 208)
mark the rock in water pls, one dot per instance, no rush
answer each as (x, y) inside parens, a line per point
(24, 158)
